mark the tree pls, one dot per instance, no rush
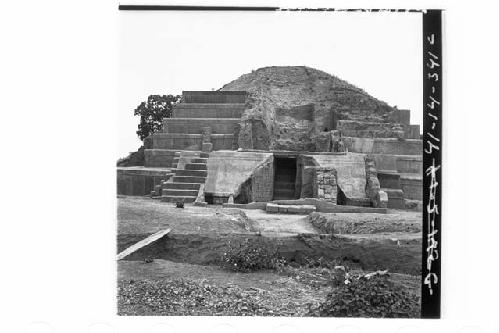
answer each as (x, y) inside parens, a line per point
(152, 113)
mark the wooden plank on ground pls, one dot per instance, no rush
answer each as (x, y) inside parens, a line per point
(142, 243)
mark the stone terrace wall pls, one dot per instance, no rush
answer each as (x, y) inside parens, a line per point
(383, 146)
(213, 97)
(139, 180)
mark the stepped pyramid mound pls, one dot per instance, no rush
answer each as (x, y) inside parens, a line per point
(281, 95)
(280, 133)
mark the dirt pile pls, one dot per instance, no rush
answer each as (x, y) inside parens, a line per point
(289, 105)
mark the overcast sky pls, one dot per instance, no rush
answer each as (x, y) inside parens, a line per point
(163, 52)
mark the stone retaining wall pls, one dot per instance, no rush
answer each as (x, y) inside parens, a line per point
(139, 180)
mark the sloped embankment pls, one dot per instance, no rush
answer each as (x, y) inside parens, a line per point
(288, 105)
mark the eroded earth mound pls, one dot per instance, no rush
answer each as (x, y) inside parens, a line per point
(289, 105)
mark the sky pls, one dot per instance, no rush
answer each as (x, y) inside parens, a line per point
(163, 52)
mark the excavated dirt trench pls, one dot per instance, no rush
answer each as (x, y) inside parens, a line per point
(202, 235)
(403, 256)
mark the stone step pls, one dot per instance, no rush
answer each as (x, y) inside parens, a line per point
(399, 163)
(196, 157)
(195, 125)
(171, 198)
(284, 185)
(393, 193)
(196, 166)
(181, 186)
(389, 179)
(281, 197)
(192, 142)
(212, 110)
(180, 193)
(196, 173)
(374, 133)
(412, 186)
(188, 179)
(290, 209)
(283, 194)
(214, 97)
(385, 146)
(359, 202)
(159, 157)
(395, 198)
(194, 160)
(285, 176)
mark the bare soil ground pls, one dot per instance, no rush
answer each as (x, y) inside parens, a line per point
(141, 215)
(179, 274)
(163, 287)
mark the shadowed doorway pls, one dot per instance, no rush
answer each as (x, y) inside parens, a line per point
(285, 170)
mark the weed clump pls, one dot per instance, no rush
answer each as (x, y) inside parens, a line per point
(252, 255)
(369, 297)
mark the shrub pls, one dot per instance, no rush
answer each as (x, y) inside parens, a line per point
(252, 255)
(374, 297)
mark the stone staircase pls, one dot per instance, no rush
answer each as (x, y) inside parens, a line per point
(190, 171)
(403, 181)
(202, 122)
(284, 185)
(201, 117)
(397, 150)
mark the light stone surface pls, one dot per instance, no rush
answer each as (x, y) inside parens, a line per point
(228, 170)
(351, 175)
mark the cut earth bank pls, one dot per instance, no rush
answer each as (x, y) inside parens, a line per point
(190, 256)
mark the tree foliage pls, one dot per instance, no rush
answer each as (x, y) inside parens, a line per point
(152, 113)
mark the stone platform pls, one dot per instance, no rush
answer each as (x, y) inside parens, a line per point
(196, 125)
(159, 158)
(203, 121)
(388, 146)
(203, 110)
(182, 141)
(138, 180)
(214, 97)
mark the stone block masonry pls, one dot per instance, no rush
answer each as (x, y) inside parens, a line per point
(351, 174)
(400, 116)
(203, 121)
(383, 146)
(197, 125)
(262, 182)
(159, 158)
(307, 190)
(290, 209)
(200, 110)
(209, 97)
(140, 180)
(325, 183)
(229, 170)
(181, 141)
